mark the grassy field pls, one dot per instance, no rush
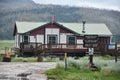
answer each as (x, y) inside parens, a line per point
(5, 43)
(79, 70)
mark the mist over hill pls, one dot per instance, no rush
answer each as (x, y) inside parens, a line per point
(27, 10)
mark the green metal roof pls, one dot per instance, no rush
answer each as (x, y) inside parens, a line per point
(90, 28)
(23, 27)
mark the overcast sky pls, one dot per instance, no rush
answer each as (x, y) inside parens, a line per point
(104, 4)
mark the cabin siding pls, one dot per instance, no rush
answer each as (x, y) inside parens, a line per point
(17, 41)
(63, 38)
(62, 30)
(37, 31)
(32, 39)
(79, 41)
(80, 37)
(40, 39)
(21, 38)
(52, 26)
(104, 40)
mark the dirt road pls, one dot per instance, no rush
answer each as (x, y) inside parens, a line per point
(25, 71)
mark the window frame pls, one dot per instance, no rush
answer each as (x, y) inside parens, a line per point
(56, 37)
(68, 41)
(26, 41)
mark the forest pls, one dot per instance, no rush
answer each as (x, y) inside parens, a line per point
(26, 10)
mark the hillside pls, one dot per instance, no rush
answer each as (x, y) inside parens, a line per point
(27, 10)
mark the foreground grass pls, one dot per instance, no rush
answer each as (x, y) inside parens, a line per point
(78, 70)
(75, 74)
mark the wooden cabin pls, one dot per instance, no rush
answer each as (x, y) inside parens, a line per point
(58, 37)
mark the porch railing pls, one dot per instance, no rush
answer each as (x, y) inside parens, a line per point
(48, 47)
(29, 46)
(60, 46)
(36, 47)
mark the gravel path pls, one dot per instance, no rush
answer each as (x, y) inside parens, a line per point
(25, 71)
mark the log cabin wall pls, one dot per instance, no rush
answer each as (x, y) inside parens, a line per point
(103, 43)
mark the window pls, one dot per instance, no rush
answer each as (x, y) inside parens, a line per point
(26, 38)
(71, 40)
(52, 39)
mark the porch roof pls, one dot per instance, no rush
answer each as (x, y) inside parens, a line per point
(90, 28)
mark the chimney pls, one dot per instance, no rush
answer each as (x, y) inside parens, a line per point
(83, 31)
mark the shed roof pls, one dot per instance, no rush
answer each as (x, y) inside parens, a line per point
(90, 28)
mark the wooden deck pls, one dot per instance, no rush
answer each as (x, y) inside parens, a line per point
(54, 48)
(60, 48)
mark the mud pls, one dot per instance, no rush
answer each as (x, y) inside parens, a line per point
(25, 71)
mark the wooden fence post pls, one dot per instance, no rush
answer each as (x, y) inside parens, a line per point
(65, 57)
